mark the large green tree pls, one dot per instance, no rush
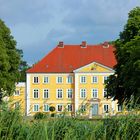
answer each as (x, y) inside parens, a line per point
(124, 85)
(23, 67)
(9, 61)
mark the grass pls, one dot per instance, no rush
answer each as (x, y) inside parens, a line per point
(14, 127)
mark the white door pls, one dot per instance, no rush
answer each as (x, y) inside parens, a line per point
(94, 109)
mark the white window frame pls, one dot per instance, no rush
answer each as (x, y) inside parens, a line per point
(57, 107)
(34, 107)
(57, 93)
(94, 93)
(71, 107)
(44, 108)
(44, 94)
(34, 80)
(81, 79)
(68, 93)
(84, 93)
(57, 80)
(15, 93)
(71, 79)
(118, 108)
(33, 93)
(104, 92)
(82, 107)
(105, 77)
(44, 79)
(17, 104)
(92, 81)
(104, 107)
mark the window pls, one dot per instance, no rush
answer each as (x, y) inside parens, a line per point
(36, 93)
(69, 79)
(105, 79)
(83, 93)
(17, 93)
(94, 93)
(59, 79)
(120, 108)
(59, 108)
(94, 79)
(69, 107)
(106, 108)
(46, 93)
(82, 79)
(17, 105)
(59, 93)
(83, 108)
(69, 93)
(35, 80)
(36, 108)
(46, 79)
(105, 92)
(46, 108)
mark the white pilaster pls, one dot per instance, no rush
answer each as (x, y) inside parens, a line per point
(76, 92)
(27, 94)
(113, 106)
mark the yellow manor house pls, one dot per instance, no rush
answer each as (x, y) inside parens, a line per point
(71, 78)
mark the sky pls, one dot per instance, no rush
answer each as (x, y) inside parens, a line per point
(38, 25)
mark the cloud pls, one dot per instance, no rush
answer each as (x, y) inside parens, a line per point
(38, 25)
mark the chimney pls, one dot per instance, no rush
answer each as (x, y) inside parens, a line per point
(105, 45)
(84, 44)
(61, 44)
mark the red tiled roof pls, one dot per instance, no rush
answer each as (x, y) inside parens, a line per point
(71, 57)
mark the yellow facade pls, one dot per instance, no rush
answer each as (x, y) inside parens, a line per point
(93, 105)
(78, 93)
(18, 98)
(52, 86)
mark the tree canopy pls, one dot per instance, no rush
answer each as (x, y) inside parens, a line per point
(124, 84)
(22, 68)
(9, 60)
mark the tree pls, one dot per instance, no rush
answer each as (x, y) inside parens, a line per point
(9, 61)
(124, 84)
(23, 67)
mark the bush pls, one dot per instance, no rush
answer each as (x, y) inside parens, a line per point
(53, 114)
(39, 115)
(52, 108)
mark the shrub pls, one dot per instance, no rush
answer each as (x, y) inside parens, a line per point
(52, 108)
(39, 115)
(53, 114)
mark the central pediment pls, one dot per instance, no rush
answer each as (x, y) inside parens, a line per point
(94, 67)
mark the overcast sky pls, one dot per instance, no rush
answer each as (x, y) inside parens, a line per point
(38, 25)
